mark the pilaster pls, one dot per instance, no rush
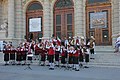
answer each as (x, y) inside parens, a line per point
(11, 20)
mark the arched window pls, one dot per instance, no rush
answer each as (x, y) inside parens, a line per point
(35, 6)
(98, 14)
(64, 18)
(64, 4)
(34, 14)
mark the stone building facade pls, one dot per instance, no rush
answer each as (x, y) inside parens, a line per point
(15, 14)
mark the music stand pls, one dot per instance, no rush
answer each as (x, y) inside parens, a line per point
(29, 57)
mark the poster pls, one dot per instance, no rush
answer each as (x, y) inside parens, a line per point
(98, 20)
(35, 24)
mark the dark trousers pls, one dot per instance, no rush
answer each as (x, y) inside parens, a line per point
(86, 57)
(6, 57)
(70, 60)
(92, 51)
(43, 57)
(81, 58)
(51, 58)
(63, 60)
(57, 56)
(12, 56)
(75, 60)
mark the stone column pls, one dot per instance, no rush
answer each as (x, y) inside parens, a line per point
(79, 10)
(119, 17)
(115, 20)
(11, 19)
(19, 32)
(0, 12)
(46, 22)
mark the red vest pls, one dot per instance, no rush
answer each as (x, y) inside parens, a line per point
(76, 54)
(63, 53)
(51, 51)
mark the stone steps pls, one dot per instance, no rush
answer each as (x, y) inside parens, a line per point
(104, 49)
(106, 59)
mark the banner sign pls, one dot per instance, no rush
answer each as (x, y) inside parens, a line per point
(35, 24)
(98, 20)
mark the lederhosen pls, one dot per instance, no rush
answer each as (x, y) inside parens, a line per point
(57, 54)
(76, 57)
(43, 55)
(12, 54)
(18, 58)
(6, 55)
(37, 50)
(70, 54)
(63, 57)
(81, 58)
(86, 56)
(23, 54)
(51, 53)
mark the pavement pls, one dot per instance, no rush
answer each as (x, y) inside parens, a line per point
(43, 73)
(105, 67)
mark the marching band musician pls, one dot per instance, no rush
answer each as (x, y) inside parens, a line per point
(76, 58)
(12, 55)
(63, 56)
(91, 44)
(18, 54)
(70, 56)
(43, 56)
(6, 54)
(47, 46)
(81, 57)
(23, 51)
(37, 50)
(57, 52)
(77, 42)
(51, 53)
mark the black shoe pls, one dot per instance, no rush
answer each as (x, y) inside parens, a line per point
(86, 67)
(63, 66)
(48, 65)
(6, 64)
(42, 65)
(81, 65)
(76, 69)
(51, 68)
(13, 64)
(23, 64)
(57, 65)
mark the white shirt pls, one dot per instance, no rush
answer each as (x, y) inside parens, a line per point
(118, 40)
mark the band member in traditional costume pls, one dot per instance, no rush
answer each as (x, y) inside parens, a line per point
(57, 53)
(66, 43)
(37, 51)
(91, 47)
(12, 55)
(76, 58)
(81, 58)
(47, 46)
(77, 42)
(24, 51)
(43, 56)
(63, 56)
(18, 54)
(86, 56)
(51, 53)
(6, 54)
(70, 56)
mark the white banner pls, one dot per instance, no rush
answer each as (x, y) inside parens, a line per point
(35, 24)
